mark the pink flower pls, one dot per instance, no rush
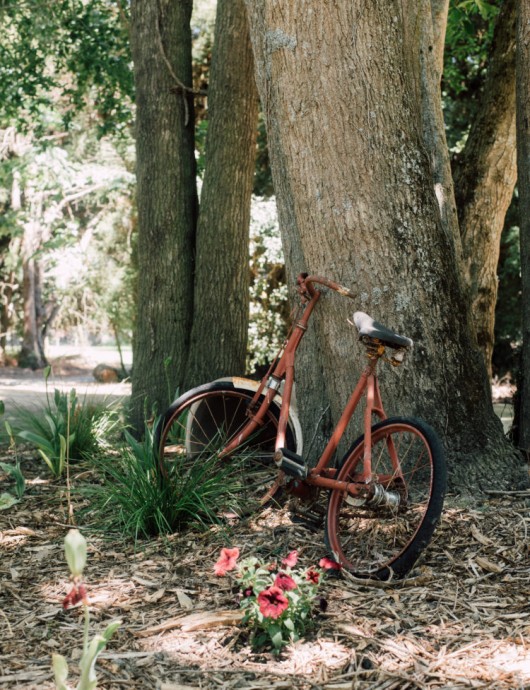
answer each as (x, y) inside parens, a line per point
(329, 564)
(285, 582)
(291, 560)
(272, 602)
(75, 595)
(226, 562)
(312, 576)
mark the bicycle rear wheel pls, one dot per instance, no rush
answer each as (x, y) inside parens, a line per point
(381, 538)
(203, 421)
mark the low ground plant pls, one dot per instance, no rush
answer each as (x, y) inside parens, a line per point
(139, 500)
(7, 499)
(66, 428)
(279, 599)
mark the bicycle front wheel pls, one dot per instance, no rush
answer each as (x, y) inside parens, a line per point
(383, 537)
(202, 422)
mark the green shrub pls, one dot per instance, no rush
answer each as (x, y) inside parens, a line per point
(137, 500)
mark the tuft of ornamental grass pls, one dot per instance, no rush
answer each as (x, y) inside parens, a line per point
(138, 500)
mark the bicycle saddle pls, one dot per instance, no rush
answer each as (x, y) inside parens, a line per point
(372, 329)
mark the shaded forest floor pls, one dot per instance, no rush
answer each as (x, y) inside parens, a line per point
(461, 619)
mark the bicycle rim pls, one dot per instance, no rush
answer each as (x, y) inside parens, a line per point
(380, 541)
(203, 425)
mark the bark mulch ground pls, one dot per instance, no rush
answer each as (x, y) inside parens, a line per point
(461, 619)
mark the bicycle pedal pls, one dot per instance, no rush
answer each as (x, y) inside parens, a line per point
(291, 463)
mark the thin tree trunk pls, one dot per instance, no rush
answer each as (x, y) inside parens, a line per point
(221, 303)
(356, 203)
(523, 168)
(485, 176)
(32, 353)
(167, 200)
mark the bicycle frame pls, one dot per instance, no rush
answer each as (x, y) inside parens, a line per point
(283, 370)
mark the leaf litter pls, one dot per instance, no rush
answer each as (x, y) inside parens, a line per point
(460, 620)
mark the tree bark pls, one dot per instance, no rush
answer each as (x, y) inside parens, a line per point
(167, 200)
(431, 37)
(356, 203)
(32, 351)
(485, 176)
(221, 302)
(523, 168)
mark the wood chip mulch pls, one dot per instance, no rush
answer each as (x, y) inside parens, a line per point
(460, 620)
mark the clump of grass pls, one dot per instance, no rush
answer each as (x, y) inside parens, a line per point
(66, 428)
(137, 499)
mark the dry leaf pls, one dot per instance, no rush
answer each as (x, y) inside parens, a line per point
(156, 596)
(485, 564)
(184, 600)
(481, 538)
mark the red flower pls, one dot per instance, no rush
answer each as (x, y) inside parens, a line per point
(226, 562)
(328, 564)
(272, 602)
(285, 582)
(75, 595)
(291, 560)
(312, 576)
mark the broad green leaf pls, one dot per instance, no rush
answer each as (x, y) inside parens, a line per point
(289, 624)
(2, 407)
(6, 501)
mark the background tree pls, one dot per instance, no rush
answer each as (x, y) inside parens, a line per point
(218, 344)
(523, 167)
(166, 198)
(371, 144)
(485, 175)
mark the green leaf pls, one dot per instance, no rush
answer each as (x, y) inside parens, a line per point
(60, 670)
(277, 640)
(48, 462)
(111, 629)
(6, 501)
(14, 471)
(47, 371)
(8, 429)
(2, 407)
(289, 624)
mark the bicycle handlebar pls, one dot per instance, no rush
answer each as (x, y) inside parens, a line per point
(306, 281)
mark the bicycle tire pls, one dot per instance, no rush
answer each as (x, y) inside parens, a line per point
(382, 542)
(202, 422)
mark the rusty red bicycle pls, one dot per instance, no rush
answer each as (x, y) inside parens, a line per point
(380, 503)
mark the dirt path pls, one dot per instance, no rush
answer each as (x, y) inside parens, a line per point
(26, 389)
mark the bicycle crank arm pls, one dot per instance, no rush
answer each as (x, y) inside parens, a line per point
(291, 463)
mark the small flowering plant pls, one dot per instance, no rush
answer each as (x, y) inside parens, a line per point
(278, 599)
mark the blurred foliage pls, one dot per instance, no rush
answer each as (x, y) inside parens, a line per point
(60, 57)
(468, 41)
(269, 309)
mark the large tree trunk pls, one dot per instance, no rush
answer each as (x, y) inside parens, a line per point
(221, 303)
(523, 168)
(167, 200)
(343, 109)
(485, 176)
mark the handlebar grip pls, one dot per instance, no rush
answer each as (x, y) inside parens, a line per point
(310, 279)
